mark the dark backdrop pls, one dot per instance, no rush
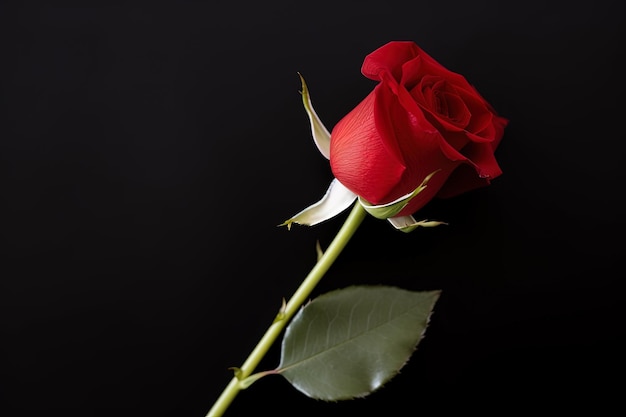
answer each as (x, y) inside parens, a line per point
(148, 153)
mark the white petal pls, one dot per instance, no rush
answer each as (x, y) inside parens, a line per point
(408, 223)
(321, 136)
(337, 199)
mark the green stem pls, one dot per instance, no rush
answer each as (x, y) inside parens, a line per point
(299, 297)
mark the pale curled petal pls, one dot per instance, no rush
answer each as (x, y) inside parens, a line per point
(321, 135)
(337, 199)
(408, 223)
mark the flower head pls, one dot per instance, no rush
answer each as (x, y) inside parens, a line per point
(422, 132)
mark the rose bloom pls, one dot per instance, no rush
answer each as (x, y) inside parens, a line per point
(423, 132)
(419, 118)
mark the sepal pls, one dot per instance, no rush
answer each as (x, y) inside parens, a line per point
(337, 199)
(407, 224)
(321, 135)
(385, 211)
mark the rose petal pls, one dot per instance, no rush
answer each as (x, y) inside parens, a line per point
(463, 179)
(423, 64)
(499, 123)
(389, 57)
(478, 170)
(482, 156)
(364, 152)
(442, 103)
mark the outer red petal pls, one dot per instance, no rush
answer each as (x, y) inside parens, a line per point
(389, 57)
(421, 148)
(480, 169)
(463, 179)
(499, 123)
(359, 157)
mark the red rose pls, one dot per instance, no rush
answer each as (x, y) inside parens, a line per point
(423, 131)
(420, 118)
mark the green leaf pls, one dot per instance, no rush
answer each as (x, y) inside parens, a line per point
(347, 343)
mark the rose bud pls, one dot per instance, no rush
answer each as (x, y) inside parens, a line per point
(423, 132)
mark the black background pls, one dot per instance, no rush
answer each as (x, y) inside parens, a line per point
(148, 153)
